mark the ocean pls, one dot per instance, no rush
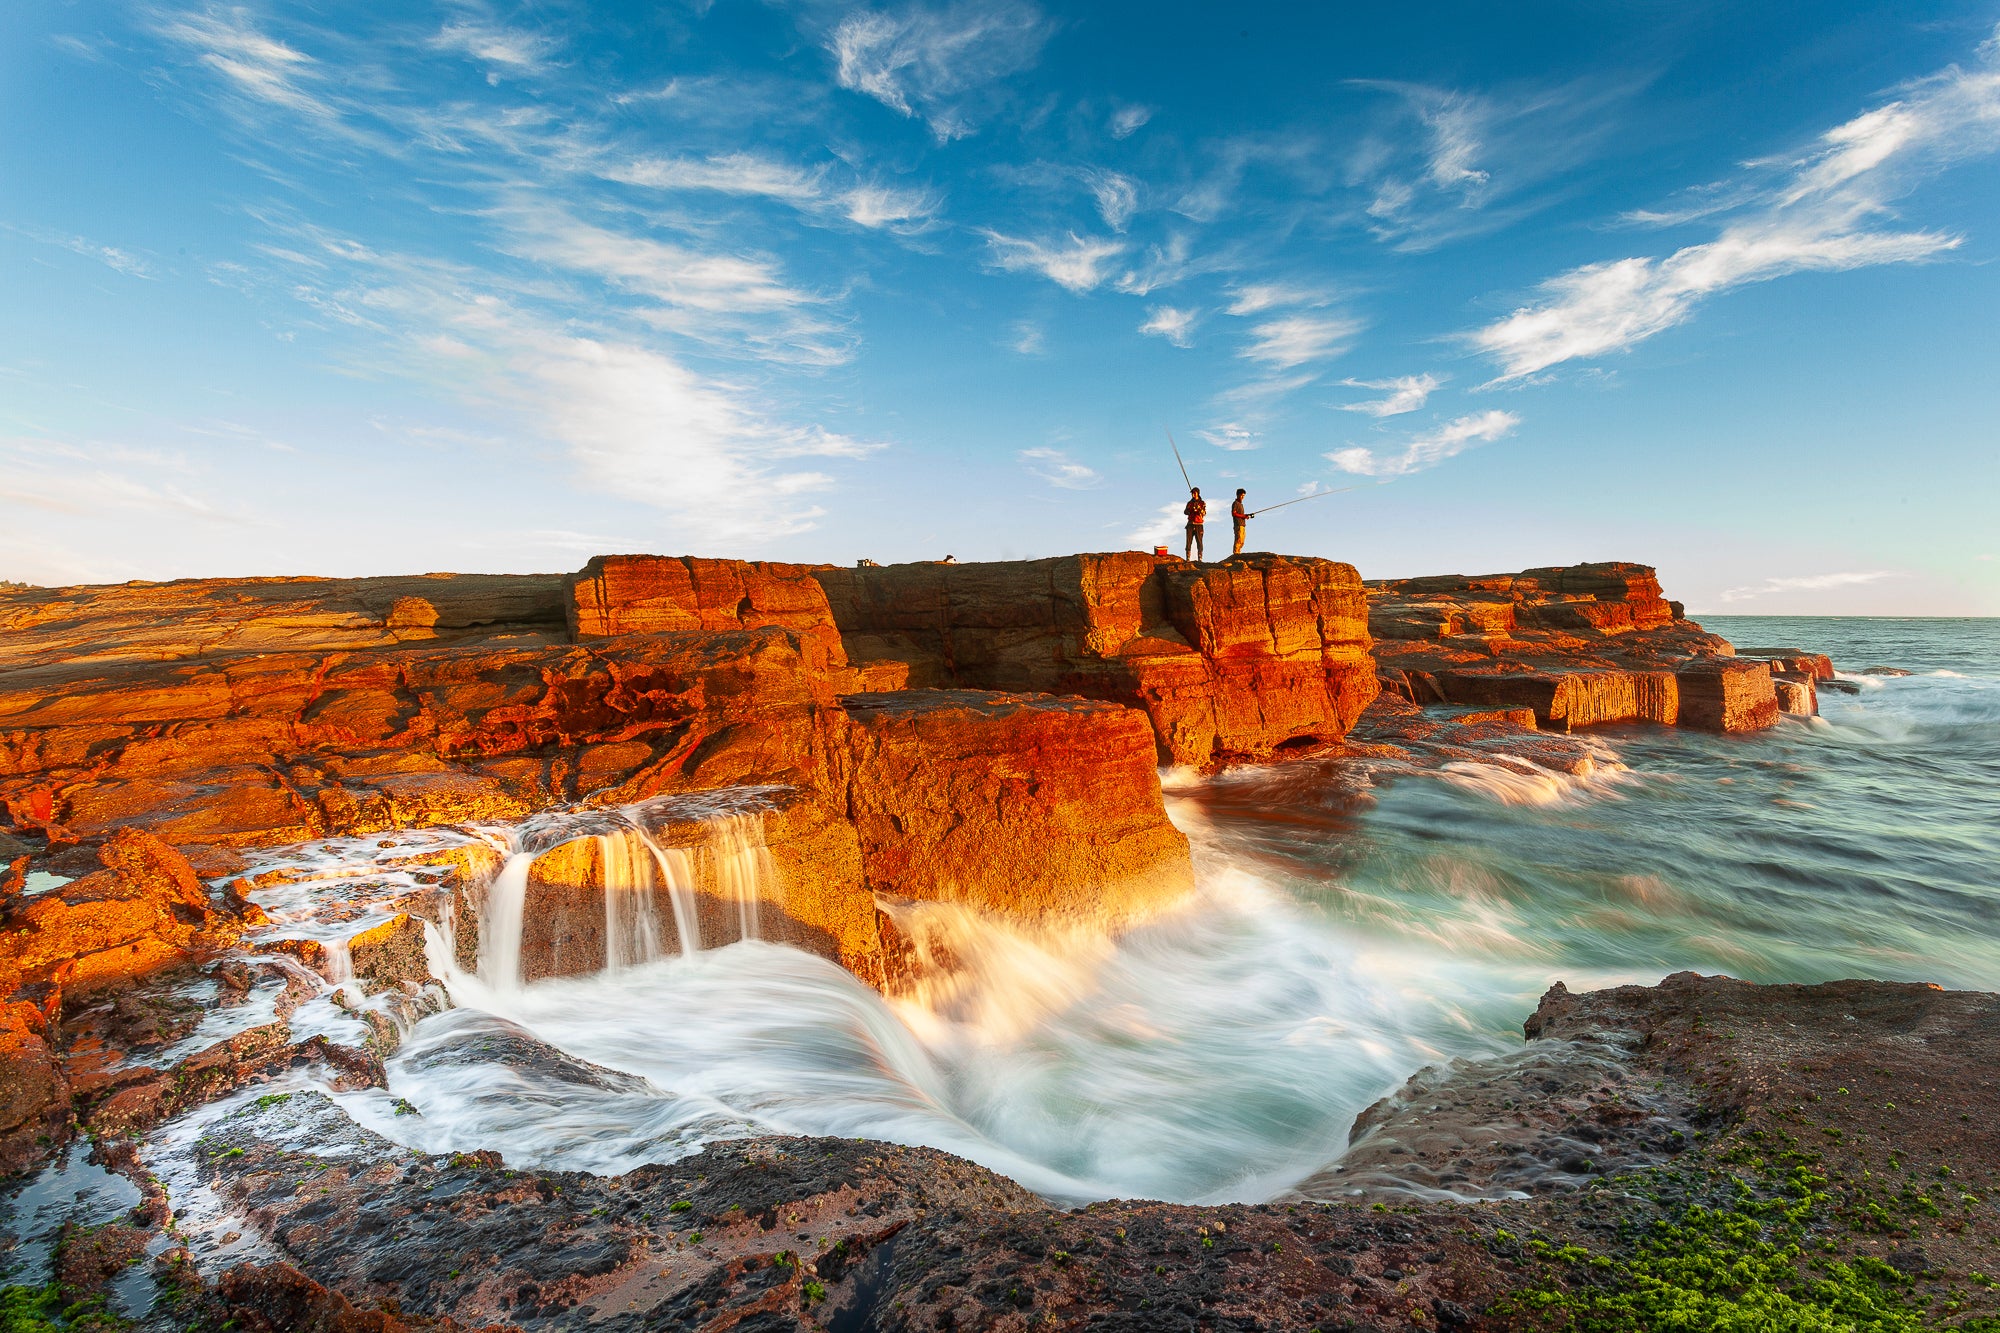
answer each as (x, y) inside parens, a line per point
(1345, 934)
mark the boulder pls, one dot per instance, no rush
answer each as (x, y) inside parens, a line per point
(1581, 645)
(34, 1095)
(1724, 694)
(1797, 695)
(390, 956)
(1793, 661)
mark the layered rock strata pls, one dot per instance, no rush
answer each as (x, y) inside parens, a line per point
(1229, 661)
(1579, 646)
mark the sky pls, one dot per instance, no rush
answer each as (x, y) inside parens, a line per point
(367, 288)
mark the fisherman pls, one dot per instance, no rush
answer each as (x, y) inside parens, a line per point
(1197, 516)
(1239, 518)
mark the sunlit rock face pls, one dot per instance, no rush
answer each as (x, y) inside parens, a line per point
(1228, 661)
(1578, 645)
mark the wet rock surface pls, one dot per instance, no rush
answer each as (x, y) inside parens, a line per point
(1628, 1111)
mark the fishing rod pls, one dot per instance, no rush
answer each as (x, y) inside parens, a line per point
(1341, 490)
(1177, 458)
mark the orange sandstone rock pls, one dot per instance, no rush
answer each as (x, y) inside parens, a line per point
(949, 784)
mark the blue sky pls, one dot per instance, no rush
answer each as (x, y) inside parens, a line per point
(374, 288)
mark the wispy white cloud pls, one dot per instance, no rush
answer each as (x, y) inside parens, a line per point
(1163, 528)
(885, 206)
(511, 49)
(111, 256)
(1117, 196)
(1027, 337)
(1296, 340)
(1077, 265)
(255, 65)
(1426, 450)
(1233, 436)
(1173, 324)
(1807, 583)
(1127, 121)
(1407, 393)
(1059, 469)
(1454, 126)
(811, 191)
(729, 173)
(1164, 266)
(1257, 297)
(728, 301)
(923, 61)
(1826, 209)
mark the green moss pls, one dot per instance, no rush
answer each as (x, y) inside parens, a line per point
(41, 1310)
(1735, 1263)
(29, 1309)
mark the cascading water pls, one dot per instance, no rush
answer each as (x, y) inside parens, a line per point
(676, 875)
(744, 871)
(502, 917)
(631, 923)
(633, 871)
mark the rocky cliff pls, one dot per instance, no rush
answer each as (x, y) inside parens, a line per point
(1230, 661)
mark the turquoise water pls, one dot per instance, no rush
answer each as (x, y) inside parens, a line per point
(1865, 842)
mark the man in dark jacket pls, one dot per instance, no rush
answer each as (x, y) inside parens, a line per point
(1239, 518)
(1197, 516)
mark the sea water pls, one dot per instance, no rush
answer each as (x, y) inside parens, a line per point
(1345, 934)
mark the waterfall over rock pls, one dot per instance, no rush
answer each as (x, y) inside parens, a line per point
(603, 890)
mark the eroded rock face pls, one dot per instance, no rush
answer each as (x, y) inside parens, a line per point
(1232, 660)
(1580, 646)
(948, 783)
(145, 910)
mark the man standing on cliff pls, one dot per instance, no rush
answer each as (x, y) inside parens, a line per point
(1197, 516)
(1239, 519)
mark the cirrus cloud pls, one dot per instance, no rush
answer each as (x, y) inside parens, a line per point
(1824, 209)
(1426, 450)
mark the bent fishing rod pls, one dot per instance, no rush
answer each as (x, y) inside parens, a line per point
(1338, 490)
